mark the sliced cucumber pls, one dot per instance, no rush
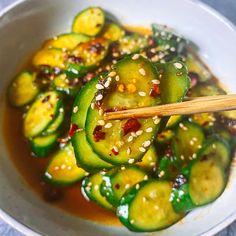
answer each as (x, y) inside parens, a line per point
(149, 161)
(173, 121)
(228, 119)
(50, 57)
(115, 146)
(56, 123)
(23, 89)
(188, 140)
(66, 41)
(118, 181)
(42, 146)
(132, 44)
(62, 169)
(68, 86)
(90, 21)
(148, 208)
(91, 189)
(41, 113)
(165, 136)
(85, 156)
(112, 31)
(205, 120)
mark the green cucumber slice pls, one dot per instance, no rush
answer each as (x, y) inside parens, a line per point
(205, 120)
(66, 41)
(148, 208)
(116, 147)
(91, 189)
(118, 181)
(112, 31)
(85, 156)
(165, 136)
(23, 89)
(41, 113)
(173, 121)
(62, 169)
(42, 146)
(90, 21)
(50, 57)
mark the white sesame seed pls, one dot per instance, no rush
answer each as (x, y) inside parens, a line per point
(137, 186)
(100, 112)
(213, 146)
(178, 65)
(86, 174)
(191, 142)
(99, 97)
(63, 166)
(122, 168)
(194, 155)
(142, 149)
(101, 122)
(172, 49)
(135, 57)
(61, 110)
(155, 81)
(145, 177)
(149, 130)
(144, 199)
(199, 146)
(150, 158)
(74, 71)
(75, 109)
(161, 173)
(194, 139)
(99, 86)
(96, 187)
(147, 143)
(182, 157)
(92, 105)
(56, 168)
(127, 186)
(128, 151)
(131, 161)
(130, 138)
(112, 74)
(132, 221)
(142, 72)
(142, 94)
(156, 121)
(107, 83)
(156, 207)
(88, 189)
(139, 132)
(108, 125)
(153, 163)
(117, 78)
(69, 168)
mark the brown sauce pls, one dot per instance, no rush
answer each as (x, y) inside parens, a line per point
(70, 198)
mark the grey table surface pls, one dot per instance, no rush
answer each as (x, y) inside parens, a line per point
(225, 7)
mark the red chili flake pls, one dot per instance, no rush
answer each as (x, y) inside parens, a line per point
(155, 91)
(151, 42)
(98, 134)
(117, 186)
(114, 151)
(168, 152)
(194, 78)
(96, 48)
(74, 59)
(46, 99)
(131, 125)
(73, 128)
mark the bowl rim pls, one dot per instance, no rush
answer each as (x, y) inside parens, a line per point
(24, 229)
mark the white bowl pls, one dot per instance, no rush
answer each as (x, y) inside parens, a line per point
(24, 25)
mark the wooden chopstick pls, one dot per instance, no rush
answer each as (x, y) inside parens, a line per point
(197, 105)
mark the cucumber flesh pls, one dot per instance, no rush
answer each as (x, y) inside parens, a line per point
(112, 31)
(41, 113)
(62, 169)
(89, 22)
(148, 208)
(91, 189)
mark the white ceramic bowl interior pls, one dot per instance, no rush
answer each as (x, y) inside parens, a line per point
(24, 26)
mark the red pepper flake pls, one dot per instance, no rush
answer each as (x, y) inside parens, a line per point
(131, 125)
(114, 151)
(155, 91)
(74, 59)
(98, 134)
(194, 78)
(117, 186)
(73, 128)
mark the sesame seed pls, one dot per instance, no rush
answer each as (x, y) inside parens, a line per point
(117, 78)
(194, 155)
(127, 186)
(155, 117)
(130, 138)
(107, 83)
(96, 187)
(108, 125)
(89, 184)
(153, 163)
(172, 49)
(155, 81)
(213, 146)
(115, 148)
(99, 86)
(86, 174)
(61, 110)
(63, 166)
(56, 168)
(142, 72)
(194, 139)
(99, 97)
(147, 143)
(112, 74)
(149, 130)
(145, 177)
(178, 65)
(144, 199)
(155, 58)
(88, 189)
(74, 71)
(75, 109)
(69, 168)
(161, 173)
(156, 121)
(132, 221)
(100, 112)
(182, 157)
(92, 105)
(133, 134)
(101, 122)
(191, 142)
(135, 57)
(137, 186)
(139, 132)
(131, 161)
(128, 151)
(142, 149)
(156, 207)
(142, 94)
(150, 158)
(199, 146)
(122, 168)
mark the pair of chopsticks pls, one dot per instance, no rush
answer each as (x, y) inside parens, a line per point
(197, 105)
